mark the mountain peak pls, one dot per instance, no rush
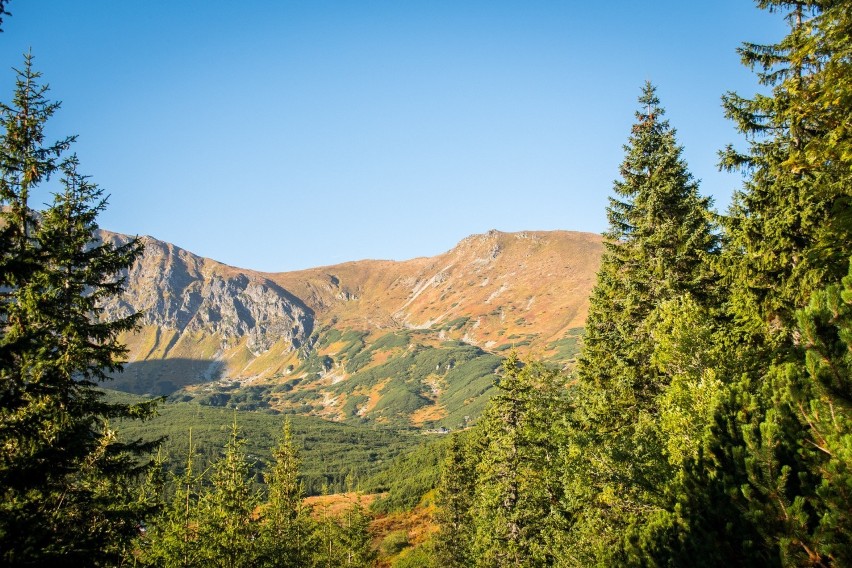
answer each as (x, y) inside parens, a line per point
(208, 325)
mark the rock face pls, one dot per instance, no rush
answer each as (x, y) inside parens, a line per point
(176, 290)
(415, 341)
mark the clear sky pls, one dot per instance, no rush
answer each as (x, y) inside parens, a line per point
(278, 134)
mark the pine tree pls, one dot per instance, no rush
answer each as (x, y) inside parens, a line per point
(453, 502)
(356, 542)
(658, 254)
(64, 474)
(343, 540)
(326, 543)
(789, 228)
(229, 527)
(517, 485)
(789, 233)
(822, 394)
(659, 241)
(172, 538)
(287, 525)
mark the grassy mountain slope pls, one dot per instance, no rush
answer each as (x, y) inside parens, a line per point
(413, 343)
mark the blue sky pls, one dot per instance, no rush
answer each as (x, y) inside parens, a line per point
(279, 135)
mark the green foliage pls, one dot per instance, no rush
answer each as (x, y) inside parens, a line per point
(343, 541)
(390, 341)
(753, 416)
(227, 525)
(567, 348)
(171, 537)
(530, 402)
(220, 519)
(418, 557)
(207, 524)
(355, 343)
(454, 503)
(821, 392)
(401, 401)
(394, 543)
(709, 421)
(330, 451)
(464, 372)
(455, 324)
(790, 226)
(387, 342)
(510, 468)
(287, 525)
(645, 395)
(66, 479)
(356, 541)
(453, 376)
(789, 247)
(409, 477)
(685, 353)
(468, 387)
(315, 363)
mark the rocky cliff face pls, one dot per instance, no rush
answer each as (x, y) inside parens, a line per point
(176, 290)
(415, 341)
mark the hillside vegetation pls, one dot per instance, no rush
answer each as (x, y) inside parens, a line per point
(706, 421)
(412, 343)
(336, 457)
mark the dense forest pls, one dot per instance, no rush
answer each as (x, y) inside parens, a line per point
(708, 421)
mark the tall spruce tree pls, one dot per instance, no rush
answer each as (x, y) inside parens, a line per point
(171, 537)
(789, 228)
(453, 502)
(789, 233)
(287, 525)
(659, 246)
(228, 524)
(659, 241)
(343, 540)
(357, 546)
(326, 543)
(517, 487)
(64, 474)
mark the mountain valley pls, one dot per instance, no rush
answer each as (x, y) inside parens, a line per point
(411, 343)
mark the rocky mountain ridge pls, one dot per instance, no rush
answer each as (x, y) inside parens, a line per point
(177, 290)
(338, 341)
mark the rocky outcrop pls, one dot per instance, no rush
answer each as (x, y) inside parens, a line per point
(176, 290)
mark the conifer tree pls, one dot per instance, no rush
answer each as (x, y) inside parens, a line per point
(229, 527)
(517, 485)
(659, 241)
(326, 543)
(658, 253)
(64, 474)
(789, 233)
(355, 537)
(172, 538)
(789, 227)
(822, 395)
(453, 502)
(343, 540)
(287, 525)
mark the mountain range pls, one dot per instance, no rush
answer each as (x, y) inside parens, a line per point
(410, 343)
